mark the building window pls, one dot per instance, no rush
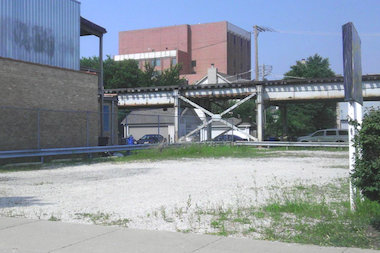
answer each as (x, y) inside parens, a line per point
(173, 61)
(106, 118)
(158, 62)
(193, 64)
(153, 62)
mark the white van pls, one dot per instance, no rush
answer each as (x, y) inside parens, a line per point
(326, 135)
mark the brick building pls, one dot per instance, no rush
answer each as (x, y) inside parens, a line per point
(196, 47)
(47, 102)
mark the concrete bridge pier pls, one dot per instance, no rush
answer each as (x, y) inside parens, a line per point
(176, 115)
(260, 109)
(284, 119)
(209, 126)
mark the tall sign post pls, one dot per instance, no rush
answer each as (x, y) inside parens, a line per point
(352, 67)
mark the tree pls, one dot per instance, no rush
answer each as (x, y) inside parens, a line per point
(304, 118)
(366, 175)
(314, 67)
(170, 76)
(126, 74)
(117, 74)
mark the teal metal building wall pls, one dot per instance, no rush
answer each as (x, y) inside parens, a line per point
(41, 31)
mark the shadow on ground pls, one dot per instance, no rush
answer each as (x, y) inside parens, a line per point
(20, 201)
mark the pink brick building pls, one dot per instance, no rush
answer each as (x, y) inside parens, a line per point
(196, 47)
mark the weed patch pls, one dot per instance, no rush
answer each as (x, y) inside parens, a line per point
(102, 219)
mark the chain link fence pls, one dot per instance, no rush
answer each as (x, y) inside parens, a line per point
(23, 128)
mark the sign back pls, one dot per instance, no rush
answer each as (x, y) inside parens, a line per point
(352, 64)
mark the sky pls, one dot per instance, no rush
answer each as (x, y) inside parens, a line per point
(302, 27)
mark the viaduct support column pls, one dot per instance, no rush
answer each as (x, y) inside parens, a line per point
(176, 114)
(284, 117)
(209, 127)
(260, 113)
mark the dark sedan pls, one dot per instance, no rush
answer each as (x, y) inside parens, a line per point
(151, 139)
(228, 137)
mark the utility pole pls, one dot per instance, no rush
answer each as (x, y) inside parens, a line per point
(256, 53)
(265, 70)
(257, 30)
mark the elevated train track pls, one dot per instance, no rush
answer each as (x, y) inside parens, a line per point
(266, 93)
(273, 91)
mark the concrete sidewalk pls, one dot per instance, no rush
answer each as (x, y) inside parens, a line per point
(37, 236)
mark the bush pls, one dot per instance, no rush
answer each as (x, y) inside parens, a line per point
(366, 175)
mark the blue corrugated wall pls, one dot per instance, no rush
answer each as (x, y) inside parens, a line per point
(41, 31)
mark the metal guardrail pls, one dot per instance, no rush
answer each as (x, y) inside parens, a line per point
(101, 149)
(71, 151)
(293, 144)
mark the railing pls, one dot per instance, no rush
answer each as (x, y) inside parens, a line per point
(71, 151)
(293, 144)
(102, 149)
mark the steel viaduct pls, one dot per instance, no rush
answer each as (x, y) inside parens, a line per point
(278, 92)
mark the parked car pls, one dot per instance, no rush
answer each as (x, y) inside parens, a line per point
(151, 139)
(228, 137)
(272, 138)
(326, 135)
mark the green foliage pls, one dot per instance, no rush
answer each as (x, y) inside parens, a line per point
(366, 174)
(316, 214)
(300, 208)
(304, 118)
(121, 74)
(126, 74)
(170, 76)
(314, 67)
(194, 151)
(117, 74)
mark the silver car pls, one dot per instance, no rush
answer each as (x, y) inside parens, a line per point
(326, 135)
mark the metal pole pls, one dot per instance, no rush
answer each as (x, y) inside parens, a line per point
(101, 85)
(126, 134)
(87, 133)
(39, 134)
(355, 112)
(38, 130)
(256, 54)
(284, 116)
(158, 121)
(260, 113)
(112, 119)
(176, 112)
(232, 123)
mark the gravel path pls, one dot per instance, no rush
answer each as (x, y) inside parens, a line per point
(160, 195)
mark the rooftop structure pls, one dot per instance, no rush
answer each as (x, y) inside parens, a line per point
(195, 47)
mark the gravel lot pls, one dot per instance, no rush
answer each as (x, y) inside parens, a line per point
(163, 195)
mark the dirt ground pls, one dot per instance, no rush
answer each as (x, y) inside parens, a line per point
(163, 195)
